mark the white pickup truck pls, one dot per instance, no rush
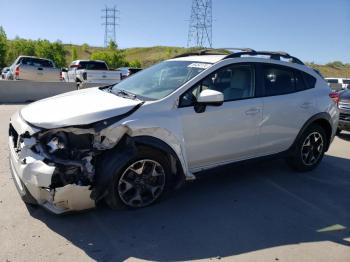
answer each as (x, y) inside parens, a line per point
(91, 71)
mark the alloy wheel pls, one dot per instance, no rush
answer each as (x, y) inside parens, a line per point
(141, 183)
(312, 148)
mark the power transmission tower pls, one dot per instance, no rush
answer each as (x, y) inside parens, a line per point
(110, 18)
(200, 30)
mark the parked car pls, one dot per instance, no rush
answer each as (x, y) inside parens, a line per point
(344, 107)
(92, 71)
(128, 71)
(338, 83)
(34, 69)
(130, 143)
(4, 72)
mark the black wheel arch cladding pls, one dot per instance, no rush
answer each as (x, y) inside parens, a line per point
(116, 158)
(322, 119)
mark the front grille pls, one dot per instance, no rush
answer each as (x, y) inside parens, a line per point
(344, 117)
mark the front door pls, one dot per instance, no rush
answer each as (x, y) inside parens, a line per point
(225, 133)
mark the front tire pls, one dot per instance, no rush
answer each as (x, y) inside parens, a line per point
(142, 181)
(309, 149)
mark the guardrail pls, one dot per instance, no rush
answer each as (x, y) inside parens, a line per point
(28, 91)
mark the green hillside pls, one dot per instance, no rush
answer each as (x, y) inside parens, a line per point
(335, 69)
(150, 55)
(146, 55)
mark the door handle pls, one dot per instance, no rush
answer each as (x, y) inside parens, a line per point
(40, 68)
(306, 105)
(252, 111)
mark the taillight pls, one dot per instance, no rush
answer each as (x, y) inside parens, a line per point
(61, 76)
(335, 97)
(17, 72)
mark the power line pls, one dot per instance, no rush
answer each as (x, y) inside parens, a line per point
(200, 29)
(110, 18)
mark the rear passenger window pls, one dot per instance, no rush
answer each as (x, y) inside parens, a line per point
(332, 81)
(278, 81)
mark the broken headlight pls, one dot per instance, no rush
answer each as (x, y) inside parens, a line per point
(57, 142)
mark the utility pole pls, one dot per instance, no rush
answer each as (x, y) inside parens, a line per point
(110, 17)
(200, 29)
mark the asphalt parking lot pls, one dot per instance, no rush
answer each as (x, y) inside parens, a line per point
(260, 212)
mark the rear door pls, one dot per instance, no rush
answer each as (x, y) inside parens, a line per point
(289, 101)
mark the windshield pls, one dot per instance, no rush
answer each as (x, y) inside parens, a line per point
(161, 79)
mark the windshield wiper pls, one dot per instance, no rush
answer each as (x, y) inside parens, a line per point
(125, 94)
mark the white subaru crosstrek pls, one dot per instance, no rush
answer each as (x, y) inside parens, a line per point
(132, 142)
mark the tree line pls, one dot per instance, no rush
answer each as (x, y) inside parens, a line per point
(56, 51)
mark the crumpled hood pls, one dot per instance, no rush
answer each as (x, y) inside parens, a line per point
(80, 107)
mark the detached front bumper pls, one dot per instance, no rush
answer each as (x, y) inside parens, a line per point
(32, 177)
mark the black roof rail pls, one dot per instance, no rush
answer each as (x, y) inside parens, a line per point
(244, 49)
(276, 55)
(203, 52)
(214, 51)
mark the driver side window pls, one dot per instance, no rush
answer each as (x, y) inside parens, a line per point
(236, 82)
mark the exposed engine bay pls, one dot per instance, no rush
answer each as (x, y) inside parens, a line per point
(71, 154)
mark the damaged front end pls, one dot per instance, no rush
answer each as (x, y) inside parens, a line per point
(56, 168)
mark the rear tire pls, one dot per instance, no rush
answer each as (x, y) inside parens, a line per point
(309, 149)
(142, 181)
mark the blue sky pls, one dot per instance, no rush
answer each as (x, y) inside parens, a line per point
(314, 30)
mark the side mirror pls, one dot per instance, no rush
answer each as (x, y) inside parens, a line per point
(208, 98)
(211, 97)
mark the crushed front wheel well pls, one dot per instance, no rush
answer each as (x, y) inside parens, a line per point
(161, 146)
(127, 148)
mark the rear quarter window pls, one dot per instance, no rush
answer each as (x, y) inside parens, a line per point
(332, 81)
(93, 66)
(36, 62)
(309, 80)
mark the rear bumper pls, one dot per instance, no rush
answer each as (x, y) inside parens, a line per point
(344, 119)
(344, 125)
